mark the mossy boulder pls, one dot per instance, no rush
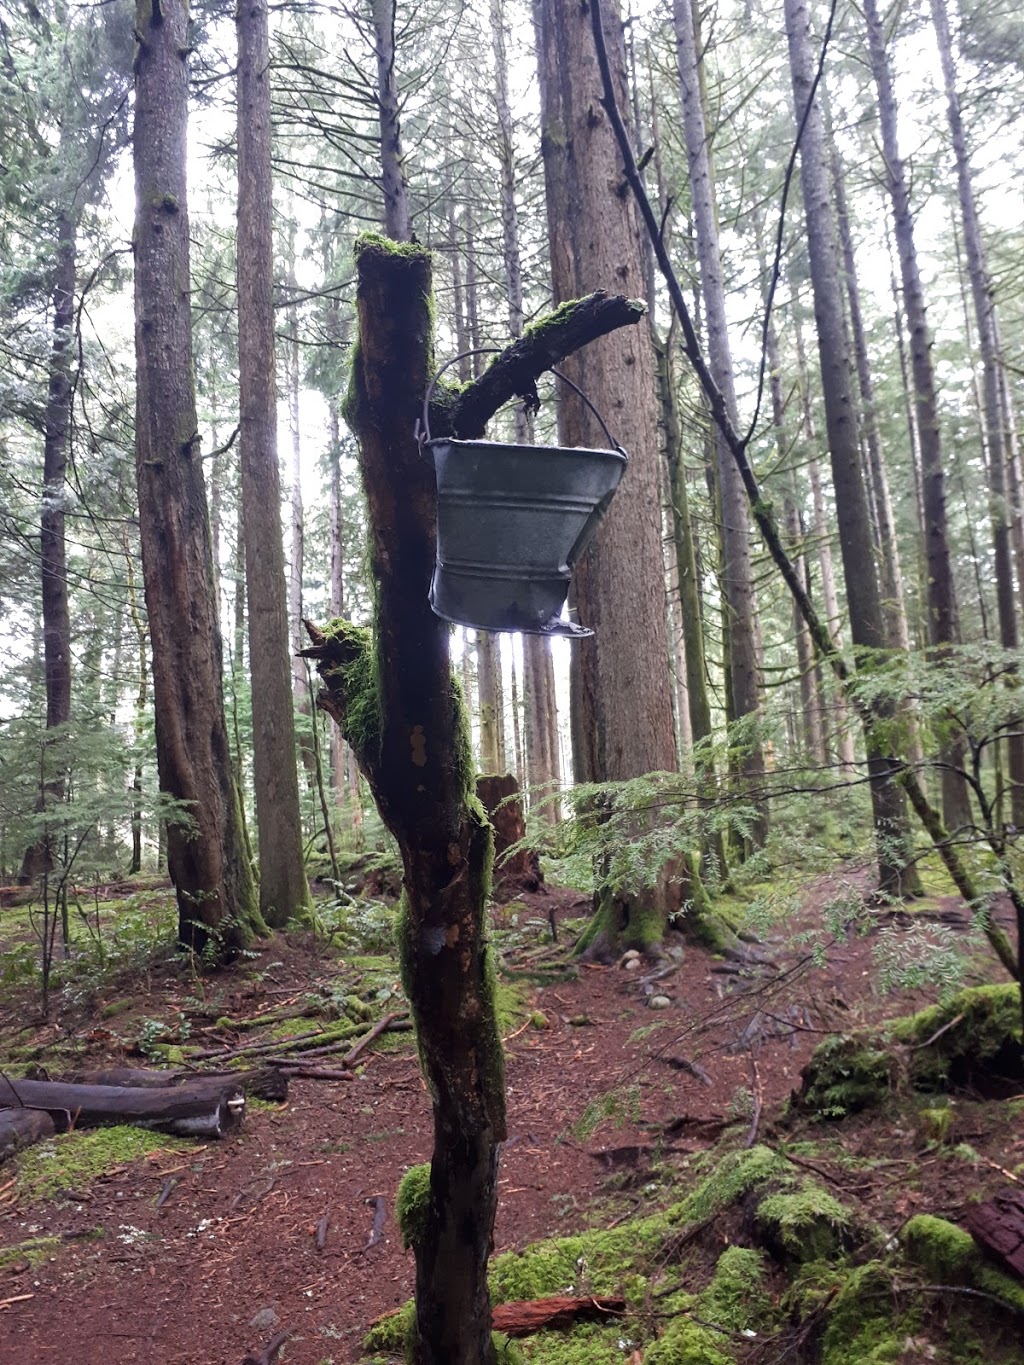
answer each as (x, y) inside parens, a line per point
(979, 1047)
(804, 1224)
(737, 1300)
(864, 1326)
(948, 1255)
(971, 1040)
(847, 1073)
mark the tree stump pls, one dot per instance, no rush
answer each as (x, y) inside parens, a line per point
(520, 872)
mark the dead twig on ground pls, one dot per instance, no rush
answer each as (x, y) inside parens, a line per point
(270, 1352)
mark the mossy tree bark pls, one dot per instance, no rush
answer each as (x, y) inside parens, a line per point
(399, 707)
(207, 858)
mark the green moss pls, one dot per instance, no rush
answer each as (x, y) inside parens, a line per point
(412, 1204)
(863, 1325)
(72, 1160)
(356, 1009)
(586, 1344)
(510, 1004)
(395, 1336)
(353, 680)
(736, 1298)
(845, 1075)
(805, 1225)
(948, 1255)
(393, 1333)
(688, 1343)
(376, 244)
(31, 1251)
(734, 1176)
(982, 1026)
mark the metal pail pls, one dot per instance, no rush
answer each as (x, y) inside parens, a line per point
(512, 521)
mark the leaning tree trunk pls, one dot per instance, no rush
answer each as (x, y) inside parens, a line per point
(284, 891)
(396, 700)
(206, 855)
(897, 874)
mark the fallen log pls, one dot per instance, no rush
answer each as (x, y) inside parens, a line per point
(20, 1128)
(265, 1082)
(200, 1108)
(538, 1315)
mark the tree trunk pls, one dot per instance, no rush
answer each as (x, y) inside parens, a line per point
(52, 552)
(297, 551)
(542, 765)
(943, 627)
(621, 702)
(890, 570)
(206, 858)
(416, 761)
(284, 892)
(896, 872)
(397, 220)
(985, 317)
(737, 575)
(810, 702)
(400, 708)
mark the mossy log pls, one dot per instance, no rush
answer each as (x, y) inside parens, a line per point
(199, 1109)
(394, 697)
(972, 1040)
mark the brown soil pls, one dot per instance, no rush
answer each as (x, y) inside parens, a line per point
(231, 1258)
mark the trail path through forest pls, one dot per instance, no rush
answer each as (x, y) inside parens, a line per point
(232, 1256)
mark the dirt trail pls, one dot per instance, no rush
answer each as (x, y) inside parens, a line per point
(232, 1258)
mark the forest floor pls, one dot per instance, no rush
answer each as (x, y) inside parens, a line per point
(97, 1270)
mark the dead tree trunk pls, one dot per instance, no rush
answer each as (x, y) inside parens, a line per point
(395, 698)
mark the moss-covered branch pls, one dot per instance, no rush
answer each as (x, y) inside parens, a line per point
(514, 373)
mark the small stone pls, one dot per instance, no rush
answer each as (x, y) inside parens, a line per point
(632, 964)
(659, 1002)
(265, 1320)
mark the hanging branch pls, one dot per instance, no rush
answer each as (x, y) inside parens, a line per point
(764, 516)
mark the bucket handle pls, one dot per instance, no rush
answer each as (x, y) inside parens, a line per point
(422, 432)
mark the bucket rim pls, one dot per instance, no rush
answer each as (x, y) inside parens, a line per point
(436, 442)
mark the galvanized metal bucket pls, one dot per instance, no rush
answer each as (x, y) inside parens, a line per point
(512, 523)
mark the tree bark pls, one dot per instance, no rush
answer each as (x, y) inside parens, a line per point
(396, 700)
(397, 218)
(896, 873)
(737, 575)
(943, 625)
(52, 552)
(621, 674)
(988, 344)
(284, 892)
(206, 858)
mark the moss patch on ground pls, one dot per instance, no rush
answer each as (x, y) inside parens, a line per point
(73, 1160)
